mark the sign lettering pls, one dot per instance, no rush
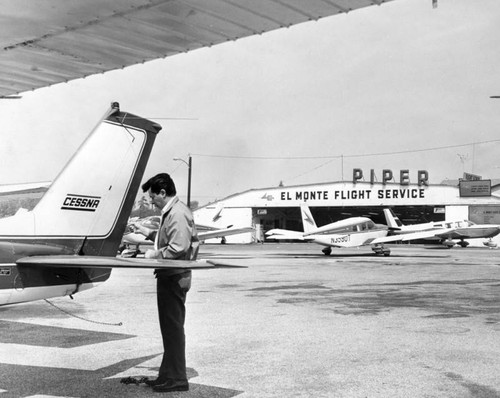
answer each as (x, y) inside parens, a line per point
(81, 202)
(388, 175)
(355, 194)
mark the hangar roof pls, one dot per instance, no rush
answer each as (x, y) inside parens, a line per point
(347, 193)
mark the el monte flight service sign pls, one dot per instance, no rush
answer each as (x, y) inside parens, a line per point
(404, 191)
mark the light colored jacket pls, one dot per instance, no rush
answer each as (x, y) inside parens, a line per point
(177, 237)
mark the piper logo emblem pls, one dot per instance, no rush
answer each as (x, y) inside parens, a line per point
(81, 202)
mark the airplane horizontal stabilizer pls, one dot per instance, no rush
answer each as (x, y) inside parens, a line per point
(284, 234)
(285, 237)
(219, 233)
(64, 261)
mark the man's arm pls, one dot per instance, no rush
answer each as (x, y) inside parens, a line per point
(149, 233)
(178, 232)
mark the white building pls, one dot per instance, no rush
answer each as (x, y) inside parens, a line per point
(278, 207)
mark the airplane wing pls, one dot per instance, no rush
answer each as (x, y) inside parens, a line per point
(219, 233)
(411, 236)
(72, 261)
(56, 41)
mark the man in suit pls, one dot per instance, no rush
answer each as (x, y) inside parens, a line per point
(175, 239)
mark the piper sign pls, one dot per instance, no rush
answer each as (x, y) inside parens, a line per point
(387, 175)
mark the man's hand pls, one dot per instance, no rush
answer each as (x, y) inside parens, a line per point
(138, 228)
(152, 254)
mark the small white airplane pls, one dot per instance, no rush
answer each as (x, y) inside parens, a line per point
(446, 232)
(351, 232)
(133, 238)
(68, 242)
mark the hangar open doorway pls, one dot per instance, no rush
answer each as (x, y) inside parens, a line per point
(265, 219)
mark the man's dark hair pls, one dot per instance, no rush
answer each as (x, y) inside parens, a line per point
(159, 182)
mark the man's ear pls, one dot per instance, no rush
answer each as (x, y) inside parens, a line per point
(163, 193)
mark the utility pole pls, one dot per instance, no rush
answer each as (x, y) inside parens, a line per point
(189, 164)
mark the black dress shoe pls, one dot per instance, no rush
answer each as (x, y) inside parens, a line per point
(155, 382)
(172, 385)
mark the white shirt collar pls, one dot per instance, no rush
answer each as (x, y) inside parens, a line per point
(163, 211)
(165, 208)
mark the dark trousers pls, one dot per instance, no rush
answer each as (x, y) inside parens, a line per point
(171, 291)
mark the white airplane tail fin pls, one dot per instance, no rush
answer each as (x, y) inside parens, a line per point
(392, 220)
(307, 219)
(88, 204)
(218, 211)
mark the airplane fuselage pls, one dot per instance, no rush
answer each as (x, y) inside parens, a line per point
(21, 283)
(350, 239)
(475, 231)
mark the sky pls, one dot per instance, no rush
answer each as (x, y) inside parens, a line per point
(400, 86)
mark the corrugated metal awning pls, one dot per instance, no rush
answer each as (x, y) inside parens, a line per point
(45, 42)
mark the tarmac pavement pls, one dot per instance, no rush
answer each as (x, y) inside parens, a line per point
(424, 322)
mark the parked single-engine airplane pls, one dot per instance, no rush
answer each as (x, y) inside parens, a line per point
(133, 238)
(351, 232)
(446, 232)
(68, 242)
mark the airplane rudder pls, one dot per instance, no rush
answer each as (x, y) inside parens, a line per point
(151, 129)
(307, 218)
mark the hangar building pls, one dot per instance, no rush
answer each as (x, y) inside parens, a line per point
(278, 207)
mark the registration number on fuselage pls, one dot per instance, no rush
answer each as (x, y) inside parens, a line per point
(341, 239)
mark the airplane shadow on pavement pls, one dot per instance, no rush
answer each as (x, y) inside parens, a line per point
(24, 381)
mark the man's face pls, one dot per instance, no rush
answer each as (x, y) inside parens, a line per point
(157, 199)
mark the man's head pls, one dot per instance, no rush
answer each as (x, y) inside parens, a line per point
(160, 189)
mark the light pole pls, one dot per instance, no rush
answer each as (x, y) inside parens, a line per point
(189, 165)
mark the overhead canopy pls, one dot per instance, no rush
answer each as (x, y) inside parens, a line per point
(45, 42)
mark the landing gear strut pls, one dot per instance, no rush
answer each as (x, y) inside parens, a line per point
(327, 251)
(381, 249)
